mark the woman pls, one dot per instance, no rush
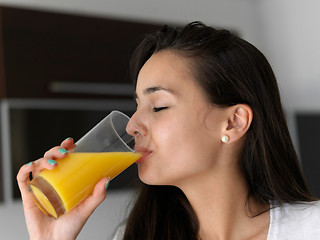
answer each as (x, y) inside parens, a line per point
(218, 161)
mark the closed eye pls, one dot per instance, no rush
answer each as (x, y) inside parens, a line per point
(159, 109)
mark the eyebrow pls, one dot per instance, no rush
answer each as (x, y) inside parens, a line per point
(153, 89)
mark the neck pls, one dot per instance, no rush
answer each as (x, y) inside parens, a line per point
(219, 198)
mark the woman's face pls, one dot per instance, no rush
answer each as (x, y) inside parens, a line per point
(182, 130)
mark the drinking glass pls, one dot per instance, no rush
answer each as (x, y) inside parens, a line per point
(105, 151)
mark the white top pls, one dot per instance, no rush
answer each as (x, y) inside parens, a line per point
(287, 222)
(120, 233)
(295, 222)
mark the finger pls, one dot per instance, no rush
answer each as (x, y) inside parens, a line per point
(23, 176)
(23, 180)
(34, 167)
(41, 164)
(68, 144)
(56, 152)
(88, 206)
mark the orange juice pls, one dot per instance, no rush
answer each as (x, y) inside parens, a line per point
(59, 190)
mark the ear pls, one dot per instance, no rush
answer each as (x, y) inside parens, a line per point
(239, 121)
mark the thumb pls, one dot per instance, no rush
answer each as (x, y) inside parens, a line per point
(99, 193)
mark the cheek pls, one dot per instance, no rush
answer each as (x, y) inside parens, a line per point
(171, 135)
(184, 147)
(184, 144)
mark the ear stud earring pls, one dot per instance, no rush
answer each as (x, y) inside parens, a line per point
(225, 139)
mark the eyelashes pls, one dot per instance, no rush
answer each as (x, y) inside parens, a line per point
(159, 109)
(155, 109)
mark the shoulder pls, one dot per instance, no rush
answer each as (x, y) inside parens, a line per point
(298, 207)
(295, 221)
(304, 210)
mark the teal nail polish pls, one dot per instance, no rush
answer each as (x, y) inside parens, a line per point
(107, 185)
(62, 151)
(68, 138)
(28, 164)
(52, 162)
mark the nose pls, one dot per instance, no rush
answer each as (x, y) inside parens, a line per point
(135, 127)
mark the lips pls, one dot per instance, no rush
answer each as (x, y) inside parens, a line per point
(145, 154)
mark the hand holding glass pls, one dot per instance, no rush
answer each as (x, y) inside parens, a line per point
(105, 151)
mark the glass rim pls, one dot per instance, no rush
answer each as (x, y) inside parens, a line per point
(129, 119)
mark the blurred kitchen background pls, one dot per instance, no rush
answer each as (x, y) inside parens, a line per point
(64, 66)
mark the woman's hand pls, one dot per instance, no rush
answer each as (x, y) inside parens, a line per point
(68, 225)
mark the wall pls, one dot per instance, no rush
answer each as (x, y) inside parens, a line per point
(287, 31)
(289, 36)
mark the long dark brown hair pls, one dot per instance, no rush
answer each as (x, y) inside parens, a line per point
(230, 71)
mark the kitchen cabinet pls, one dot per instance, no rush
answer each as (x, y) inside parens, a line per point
(44, 54)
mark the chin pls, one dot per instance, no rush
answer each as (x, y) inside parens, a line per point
(156, 175)
(149, 181)
(153, 180)
(147, 177)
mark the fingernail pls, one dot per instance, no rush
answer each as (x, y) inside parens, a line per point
(62, 151)
(68, 138)
(107, 184)
(28, 164)
(52, 162)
